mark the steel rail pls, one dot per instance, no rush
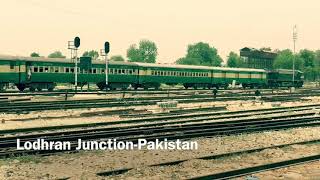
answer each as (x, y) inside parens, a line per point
(260, 168)
(208, 157)
(184, 134)
(226, 114)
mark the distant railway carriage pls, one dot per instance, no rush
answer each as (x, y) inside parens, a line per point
(152, 75)
(245, 76)
(9, 71)
(44, 73)
(283, 78)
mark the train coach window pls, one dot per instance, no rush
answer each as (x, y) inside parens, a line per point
(35, 69)
(56, 69)
(152, 73)
(46, 69)
(67, 70)
(94, 71)
(40, 69)
(12, 65)
(123, 71)
(130, 71)
(102, 71)
(72, 70)
(51, 69)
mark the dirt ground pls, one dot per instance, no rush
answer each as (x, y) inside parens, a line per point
(84, 165)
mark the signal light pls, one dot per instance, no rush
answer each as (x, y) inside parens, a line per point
(76, 42)
(106, 47)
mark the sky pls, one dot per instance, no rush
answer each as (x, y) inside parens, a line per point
(45, 26)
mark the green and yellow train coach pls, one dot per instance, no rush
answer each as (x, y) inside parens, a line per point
(44, 73)
(152, 75)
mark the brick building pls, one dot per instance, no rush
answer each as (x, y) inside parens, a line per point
(259, 59)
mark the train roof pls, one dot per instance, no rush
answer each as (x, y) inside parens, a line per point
(288, 71)
(22, 58)
(60, 60)
(178, 66)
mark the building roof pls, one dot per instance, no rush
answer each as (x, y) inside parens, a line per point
(252, 52)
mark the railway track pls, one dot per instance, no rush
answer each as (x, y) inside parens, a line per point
(181, 131)
(21, 107)
(223, 175)
(99, 103)
(160, 91)
(166, 120)
(260, 168)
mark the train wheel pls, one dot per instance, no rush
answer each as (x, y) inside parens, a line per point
(101, 86)
(50, 89)
(39, 89)
(32, 89)
(21, 87)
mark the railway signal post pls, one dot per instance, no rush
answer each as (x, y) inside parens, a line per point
(104, 52)
(73, 46)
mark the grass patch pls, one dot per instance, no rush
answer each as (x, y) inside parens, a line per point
(26, 159)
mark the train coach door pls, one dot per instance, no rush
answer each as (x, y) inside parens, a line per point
(28, 71)
(22, 71)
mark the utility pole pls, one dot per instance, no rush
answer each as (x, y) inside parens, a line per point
(294, 37)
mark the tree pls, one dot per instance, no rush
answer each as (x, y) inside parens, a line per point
(188, 61)
(117, 58)
(147, 52)
(285, 58)
(234, 60)
(56, 54)
(133, 54)
(93, 54)
(34, 54)
(201, 54)
(309, 59)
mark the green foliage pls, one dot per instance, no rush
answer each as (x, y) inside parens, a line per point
(234, 60)
(201, 54)
(146, 52)
(93, 54)
(117, 58)
(188, 61)
(311, 64)
(56, 54)
(285, 58)
(306, 60)
(34, 54)
(133, 54)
